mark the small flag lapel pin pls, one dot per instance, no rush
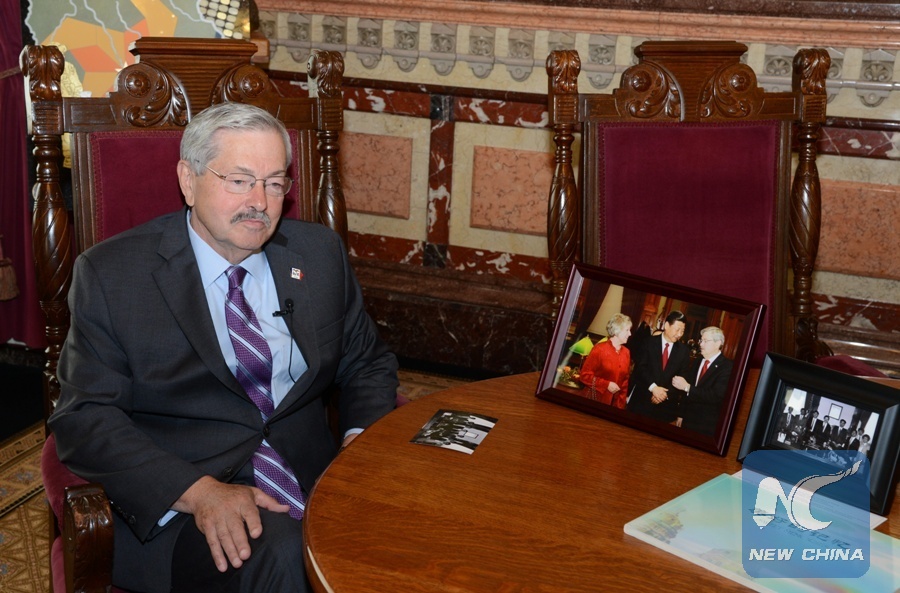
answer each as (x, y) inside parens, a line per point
(296, 274)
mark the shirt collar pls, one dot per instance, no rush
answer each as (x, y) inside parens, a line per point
(212, 265)
(715, 356)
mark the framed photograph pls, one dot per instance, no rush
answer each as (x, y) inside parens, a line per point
(667, 359)
(805, 407)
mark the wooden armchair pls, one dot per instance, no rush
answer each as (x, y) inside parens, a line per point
(685, 177)
(124, 148)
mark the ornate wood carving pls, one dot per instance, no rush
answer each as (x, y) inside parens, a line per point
(242, 84)
(326, 76)
(564, 205)
(732, 92)
(647, 91)
(88, 539)
(159, 98)
(51, 235)
(810, 69)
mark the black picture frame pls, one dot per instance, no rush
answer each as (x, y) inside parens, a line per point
(874, 404)
(592, 291)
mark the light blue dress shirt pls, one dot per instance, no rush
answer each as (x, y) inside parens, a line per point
(259, 290)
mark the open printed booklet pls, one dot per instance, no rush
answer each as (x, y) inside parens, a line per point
(704, 526)
(451, 429)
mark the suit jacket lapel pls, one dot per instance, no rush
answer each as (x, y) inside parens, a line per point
(287, 270)
(179, 282)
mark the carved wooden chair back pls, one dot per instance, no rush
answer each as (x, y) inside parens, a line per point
(124, 150)
(685, 177)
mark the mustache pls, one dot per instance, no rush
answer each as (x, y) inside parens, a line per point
(252, 215)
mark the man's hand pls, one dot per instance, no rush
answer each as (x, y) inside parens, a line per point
(225, 514)
(680, 383)
(660, 394)
(613, 387)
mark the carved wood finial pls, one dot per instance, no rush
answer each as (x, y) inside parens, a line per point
(811, 67)
(43, 66)
(563, 67)
(326, 73)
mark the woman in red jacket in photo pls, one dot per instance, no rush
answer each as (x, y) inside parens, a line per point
(606, 370)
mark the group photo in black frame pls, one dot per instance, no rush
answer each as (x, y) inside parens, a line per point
(869, 408)
(608, 356)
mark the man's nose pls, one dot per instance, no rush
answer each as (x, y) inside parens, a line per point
(256, 197)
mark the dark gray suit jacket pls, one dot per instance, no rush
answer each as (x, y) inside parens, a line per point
(648, 370)
(148, 405)
(703, 403)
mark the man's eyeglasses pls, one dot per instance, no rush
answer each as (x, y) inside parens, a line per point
(242, 183)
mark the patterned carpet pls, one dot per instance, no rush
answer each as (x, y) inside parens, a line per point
(24, 537)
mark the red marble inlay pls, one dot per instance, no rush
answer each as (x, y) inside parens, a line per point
(481, 261)
(873, 144)
(504, 113)
(857, 313)
(387, 101)
(440, 182)
(392, 249)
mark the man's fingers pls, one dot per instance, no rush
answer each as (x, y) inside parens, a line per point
(264, 501)
(235, 542)
(215, 547)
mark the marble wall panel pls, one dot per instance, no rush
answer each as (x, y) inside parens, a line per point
(860, 225)
(470, 137)
(388, 187)
(372, 183)
(509, 190)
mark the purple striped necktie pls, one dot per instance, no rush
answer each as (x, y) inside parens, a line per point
(254, 372)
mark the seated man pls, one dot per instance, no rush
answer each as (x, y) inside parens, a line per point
(706, 384)
(201, 347)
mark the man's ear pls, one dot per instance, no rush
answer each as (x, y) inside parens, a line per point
(185, 179)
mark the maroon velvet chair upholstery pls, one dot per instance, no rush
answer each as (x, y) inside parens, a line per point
(124, 148)
(685, 177)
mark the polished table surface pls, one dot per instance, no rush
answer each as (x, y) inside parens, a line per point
(539, 507)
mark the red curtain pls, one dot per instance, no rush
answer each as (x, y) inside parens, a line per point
(20, 318)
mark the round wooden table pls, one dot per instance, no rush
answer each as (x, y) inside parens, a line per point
(538, 507)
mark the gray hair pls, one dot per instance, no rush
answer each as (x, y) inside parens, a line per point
(198, 143)
(713, 333)
(617, 323)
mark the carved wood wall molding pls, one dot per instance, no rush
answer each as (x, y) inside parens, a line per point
(649, 23)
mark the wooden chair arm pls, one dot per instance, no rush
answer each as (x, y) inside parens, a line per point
(87, 539)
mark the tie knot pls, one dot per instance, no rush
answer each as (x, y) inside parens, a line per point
(236, 275)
